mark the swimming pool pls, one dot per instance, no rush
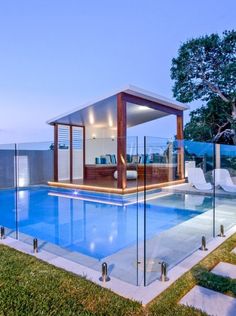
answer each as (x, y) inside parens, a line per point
(96, 225)
(133, 237)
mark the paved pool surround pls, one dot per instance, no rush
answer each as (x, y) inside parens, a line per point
(139, 293)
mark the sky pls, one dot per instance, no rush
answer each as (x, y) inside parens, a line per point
(58, 54)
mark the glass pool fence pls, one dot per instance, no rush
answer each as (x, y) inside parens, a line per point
(176, 192)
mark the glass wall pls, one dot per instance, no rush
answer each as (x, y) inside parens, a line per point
(225, 187)
(177, 192)
(180, 210)
(34, 164)
(101, 162)
(34, 171)
(87, 227)
(8, 193)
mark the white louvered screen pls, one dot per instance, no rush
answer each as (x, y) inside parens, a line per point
(63, 153)
(77, 141)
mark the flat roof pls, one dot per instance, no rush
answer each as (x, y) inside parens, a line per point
(102, 112)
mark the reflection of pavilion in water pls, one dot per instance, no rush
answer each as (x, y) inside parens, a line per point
(74, 224)
(96, 229)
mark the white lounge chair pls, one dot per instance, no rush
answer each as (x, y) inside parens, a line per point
(197, 179)
(224, 180)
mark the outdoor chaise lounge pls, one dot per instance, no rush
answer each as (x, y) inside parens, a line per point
(224, 180)
(197, 179)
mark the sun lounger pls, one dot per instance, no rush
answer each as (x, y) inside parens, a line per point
(197, 179)
(224, 180)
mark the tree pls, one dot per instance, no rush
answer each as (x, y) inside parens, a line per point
(205, 121)
(206, 68)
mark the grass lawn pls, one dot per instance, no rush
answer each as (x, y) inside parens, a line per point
(29, 286)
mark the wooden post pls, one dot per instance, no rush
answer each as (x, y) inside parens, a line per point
(71, 153)
(84, 151)
(180, 137)
(121, 142)
(55, 153)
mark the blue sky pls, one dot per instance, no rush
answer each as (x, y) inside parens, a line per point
(58, 54)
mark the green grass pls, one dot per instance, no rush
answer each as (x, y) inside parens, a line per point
(29, 286)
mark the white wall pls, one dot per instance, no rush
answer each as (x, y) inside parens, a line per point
(23, 171)
(105, 142)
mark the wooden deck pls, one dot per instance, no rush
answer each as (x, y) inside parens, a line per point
(110, 186)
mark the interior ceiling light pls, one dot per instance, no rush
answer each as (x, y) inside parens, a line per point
(143, 108)
(91, 118)
(110, 121)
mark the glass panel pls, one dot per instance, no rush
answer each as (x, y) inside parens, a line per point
(173, 198)
(86, 226)
(132, 256)
(34, 171)
(179, 208)
(35, 164)
(101, 162)
(8, 197)
(225, 186)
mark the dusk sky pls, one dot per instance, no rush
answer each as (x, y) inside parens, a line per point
(58, 54)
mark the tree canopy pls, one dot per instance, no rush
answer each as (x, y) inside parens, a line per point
(205, 69)
(205, 121)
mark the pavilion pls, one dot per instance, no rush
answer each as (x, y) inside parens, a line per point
(88, 135)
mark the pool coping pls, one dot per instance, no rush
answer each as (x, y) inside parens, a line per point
(143, 294)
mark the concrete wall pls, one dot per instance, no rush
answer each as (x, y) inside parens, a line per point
(6, 168)
(34, 167)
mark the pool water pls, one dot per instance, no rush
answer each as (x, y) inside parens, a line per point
(92, 224)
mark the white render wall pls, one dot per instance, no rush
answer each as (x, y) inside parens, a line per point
(99, 141)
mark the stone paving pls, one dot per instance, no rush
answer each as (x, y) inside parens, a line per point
(234, 251)
(212, 302)
(226, 270)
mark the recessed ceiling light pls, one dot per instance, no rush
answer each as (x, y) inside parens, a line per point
(143, 108)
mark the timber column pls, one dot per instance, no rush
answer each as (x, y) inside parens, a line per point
(121, 142)
(180, 137)
(55, 148)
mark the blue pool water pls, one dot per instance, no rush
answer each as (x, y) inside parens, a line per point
(92, 224)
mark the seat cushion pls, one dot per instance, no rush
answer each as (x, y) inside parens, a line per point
(130, 174)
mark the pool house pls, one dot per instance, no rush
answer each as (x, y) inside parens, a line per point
(93, 152)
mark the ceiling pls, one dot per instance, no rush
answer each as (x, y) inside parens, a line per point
(103, 112)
